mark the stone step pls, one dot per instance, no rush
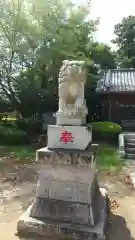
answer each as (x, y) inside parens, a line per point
(130, 156)
(130, 150)
(129, 140)
(129, 135)
(130, 145)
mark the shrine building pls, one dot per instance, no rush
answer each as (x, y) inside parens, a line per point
(116, 88)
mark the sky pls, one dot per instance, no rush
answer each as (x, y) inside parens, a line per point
(110, 13)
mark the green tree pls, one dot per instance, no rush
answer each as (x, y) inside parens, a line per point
(35, 38)
(125, 41)
(102, 55)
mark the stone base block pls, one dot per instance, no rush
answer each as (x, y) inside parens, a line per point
(67, 183)
(69, 137)
(29, 226)
(72, 213)
(67, 193)
(61, 156)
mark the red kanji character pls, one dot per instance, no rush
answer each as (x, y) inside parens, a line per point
(66, 137)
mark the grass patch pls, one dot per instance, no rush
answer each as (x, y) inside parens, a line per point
(24, 152)
(108, 157)
(18, 153)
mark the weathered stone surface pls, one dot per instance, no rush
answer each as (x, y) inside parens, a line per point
(67, 193)
(43, 191)
(63, 211)
(81, 137)
(67, 183)
(65, 156)
(49, 228)
(83, 192)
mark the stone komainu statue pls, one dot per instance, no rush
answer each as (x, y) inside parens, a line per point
(72, 79)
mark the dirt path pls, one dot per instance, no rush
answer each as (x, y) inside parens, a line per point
(17, 189)
(122, 216)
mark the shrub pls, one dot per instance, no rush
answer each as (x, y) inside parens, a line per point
(12, 136)
(30, 126)
(8, 123)
(105, 131)
(106, 127)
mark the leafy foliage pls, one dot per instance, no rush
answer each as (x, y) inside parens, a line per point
(35, 38)
(108, 157)
(30, 126)
(102, 55)
(106, 131)
(106, 127)
(125, 41)
(12, 136)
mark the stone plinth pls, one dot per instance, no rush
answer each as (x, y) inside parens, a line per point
(66, 183)
(68, 194)
(34, 227)
(65, 156)
(69, 137)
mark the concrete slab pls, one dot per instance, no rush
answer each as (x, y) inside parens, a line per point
(32, 226)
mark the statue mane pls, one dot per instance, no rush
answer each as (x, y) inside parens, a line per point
(72, 78)
(72, 71)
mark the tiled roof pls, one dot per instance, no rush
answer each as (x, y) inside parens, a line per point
(118, 80)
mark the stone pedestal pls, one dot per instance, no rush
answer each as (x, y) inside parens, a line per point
(67, 193)
(69, 137)
(69, 203)
(35, 227)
